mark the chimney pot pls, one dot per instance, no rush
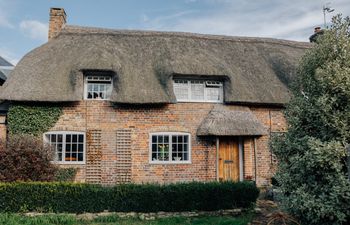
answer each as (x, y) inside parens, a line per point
(57, 21)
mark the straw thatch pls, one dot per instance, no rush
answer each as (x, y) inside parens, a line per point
(257, 70)
(224, 122)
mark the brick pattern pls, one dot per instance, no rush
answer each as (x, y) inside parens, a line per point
(3, 131)
(123, 162)
(57, 20)
(93, 157)
(140, 121)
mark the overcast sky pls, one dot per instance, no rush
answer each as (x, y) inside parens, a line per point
(24, 23)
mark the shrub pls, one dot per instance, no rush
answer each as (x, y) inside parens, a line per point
(25, 158)
(311, 172)
(65, 174)
(77, 198)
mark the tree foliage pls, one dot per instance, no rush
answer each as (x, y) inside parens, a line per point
(312, 154)
(25, 158)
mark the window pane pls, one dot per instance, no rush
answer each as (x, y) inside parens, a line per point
(154, 139)
(80, 157)
(186, 138)
(81, 148)
(74, 148)
(59, 138)
(68, 157)
(59, 157)
(197, 90)
(166, 139)
(59, 148)
(53, 138)
(181, 90)
(68, 138)
(160, 139)
(213, 94)
(154, 147)
(81, 138)
(179, 139)
(75, 138)
(154, 156)
(174, 138)
(74, 157)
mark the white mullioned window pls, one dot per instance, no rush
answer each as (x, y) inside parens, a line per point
(98, 87)
(170, 147)
(198, 90)
(69, 146)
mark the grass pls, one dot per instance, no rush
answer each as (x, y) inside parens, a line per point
(16, 219)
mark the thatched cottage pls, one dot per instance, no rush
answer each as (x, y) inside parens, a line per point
(145, 106)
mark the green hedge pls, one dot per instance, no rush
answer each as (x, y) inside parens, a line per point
(78, 198)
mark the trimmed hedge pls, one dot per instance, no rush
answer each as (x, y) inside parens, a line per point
(78, 198)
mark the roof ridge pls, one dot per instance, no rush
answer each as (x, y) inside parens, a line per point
(82, 30)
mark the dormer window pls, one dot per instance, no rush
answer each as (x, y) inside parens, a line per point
(190, 90)
(98, 87)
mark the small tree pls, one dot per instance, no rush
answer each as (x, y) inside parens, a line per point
(312, 155)
(25, 158)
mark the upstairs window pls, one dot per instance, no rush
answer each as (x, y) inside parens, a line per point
(98, 87)
(198, 90)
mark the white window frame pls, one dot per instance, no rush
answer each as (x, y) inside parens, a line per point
(64, 134)
(170, 134)
(86, 82)
(207, 84)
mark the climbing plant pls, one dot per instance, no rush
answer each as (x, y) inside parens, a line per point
(33, 120)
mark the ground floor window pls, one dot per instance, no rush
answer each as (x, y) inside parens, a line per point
(170, 147)
(69, 147)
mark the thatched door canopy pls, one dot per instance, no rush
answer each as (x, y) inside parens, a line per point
(224, 122)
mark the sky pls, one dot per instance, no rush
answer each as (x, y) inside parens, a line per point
(24, 23)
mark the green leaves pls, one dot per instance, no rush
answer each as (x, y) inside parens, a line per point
(78, 198)
(312, 170)
(33, 120)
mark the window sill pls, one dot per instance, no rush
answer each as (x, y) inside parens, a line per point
(95, 99)
(68, 163)
(169, 163)
(188, 101)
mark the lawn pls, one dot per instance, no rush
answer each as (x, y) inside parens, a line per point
(16, 219)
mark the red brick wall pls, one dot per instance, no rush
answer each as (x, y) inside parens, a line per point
(2, 130)
(142, 120)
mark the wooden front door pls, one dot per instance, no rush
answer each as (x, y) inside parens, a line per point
(228, 159)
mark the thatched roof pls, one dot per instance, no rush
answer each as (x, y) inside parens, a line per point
(257, 70)
(222, 121)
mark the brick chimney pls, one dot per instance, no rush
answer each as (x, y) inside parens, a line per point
(57, 21)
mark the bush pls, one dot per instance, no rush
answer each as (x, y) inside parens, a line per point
(78, 198)
(65, 174)
(25, 158)
(312, 173)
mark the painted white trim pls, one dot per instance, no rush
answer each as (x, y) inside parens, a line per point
(150, 161)
(219, 86)
(86, 89)
(64, 133)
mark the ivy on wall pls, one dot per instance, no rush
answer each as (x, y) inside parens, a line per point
(33, 120)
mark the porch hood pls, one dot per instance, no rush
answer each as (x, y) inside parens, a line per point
(221, 121)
